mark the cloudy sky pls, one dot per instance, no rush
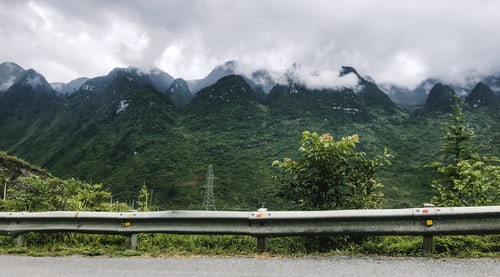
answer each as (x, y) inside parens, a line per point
(401, 42)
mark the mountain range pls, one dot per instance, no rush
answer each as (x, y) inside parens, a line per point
(133, 127)
(180, 91)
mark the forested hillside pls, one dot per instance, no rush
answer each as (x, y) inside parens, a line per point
(122, 131)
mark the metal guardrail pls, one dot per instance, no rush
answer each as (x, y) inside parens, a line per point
(427, 222)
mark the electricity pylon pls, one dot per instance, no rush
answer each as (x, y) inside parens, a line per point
(209, 201)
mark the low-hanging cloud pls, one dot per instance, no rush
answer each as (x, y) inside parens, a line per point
(296, 73)
(400, 42)
(326, 79)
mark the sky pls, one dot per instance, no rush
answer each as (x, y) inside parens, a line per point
(392, 41)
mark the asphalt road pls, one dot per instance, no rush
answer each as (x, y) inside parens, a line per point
(19, 266)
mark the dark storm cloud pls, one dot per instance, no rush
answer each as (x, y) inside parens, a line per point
(401, 42)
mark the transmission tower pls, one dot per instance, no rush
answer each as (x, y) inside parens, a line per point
(209, 201)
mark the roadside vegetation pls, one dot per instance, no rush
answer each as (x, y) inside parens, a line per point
(163, 245)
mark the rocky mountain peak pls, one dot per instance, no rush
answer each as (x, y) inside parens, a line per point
(440, 98)
(179, 93)
(481, 96)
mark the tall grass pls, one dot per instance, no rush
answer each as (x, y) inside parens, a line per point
(168, 245)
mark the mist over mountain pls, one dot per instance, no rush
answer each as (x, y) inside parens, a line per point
(410, 97)
(262, 81)
(159, 79)
(492, 82)
(155, 77)
(9, 72)
(368, 89)
(228, 68)
(69, 88)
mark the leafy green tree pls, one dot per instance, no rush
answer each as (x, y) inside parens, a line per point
(466, 178)
(331, 174)
(35, 193)
(87, 197)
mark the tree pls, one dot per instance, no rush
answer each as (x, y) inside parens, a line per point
(35, 193)
(466, 178)
(458, 135)
(144, 201)
(86, 197)
(331, 174)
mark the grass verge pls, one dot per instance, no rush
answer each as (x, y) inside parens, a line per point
(167, 245)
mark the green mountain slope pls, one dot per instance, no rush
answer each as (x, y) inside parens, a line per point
(121, 131)
(27, 109)
(482, 96)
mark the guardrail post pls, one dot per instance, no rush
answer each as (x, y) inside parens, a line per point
(427, 245)
(131, 241)
(18, 240)
(262, 244)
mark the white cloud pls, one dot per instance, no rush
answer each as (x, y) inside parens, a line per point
(403, 70)
(323, 79)
(391, 40)
(126, 40)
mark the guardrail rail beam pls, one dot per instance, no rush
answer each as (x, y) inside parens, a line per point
(262, 224)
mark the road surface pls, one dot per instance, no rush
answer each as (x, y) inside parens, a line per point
(20, 266)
